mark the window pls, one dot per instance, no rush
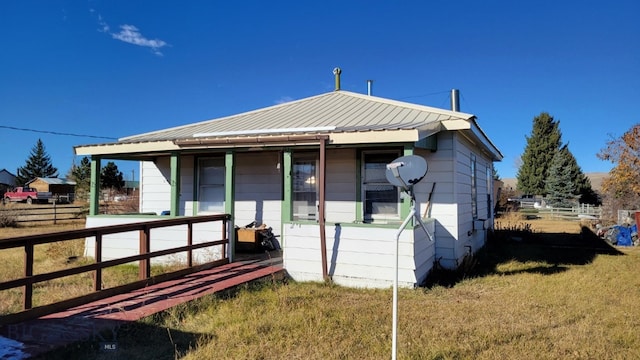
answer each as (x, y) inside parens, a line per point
(211, 185)
(305, 189)
(474, 188)
(381, 200)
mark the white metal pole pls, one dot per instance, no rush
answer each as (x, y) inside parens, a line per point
(394, 331)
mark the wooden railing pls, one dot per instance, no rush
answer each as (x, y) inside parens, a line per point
(144, 257)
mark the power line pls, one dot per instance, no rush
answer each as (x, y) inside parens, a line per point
(57, 133)
(430, 94)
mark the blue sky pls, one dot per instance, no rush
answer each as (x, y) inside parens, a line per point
(109, 69)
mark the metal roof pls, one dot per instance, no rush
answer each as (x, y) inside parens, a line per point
(346, 117)
(54, 181)
(337, 111)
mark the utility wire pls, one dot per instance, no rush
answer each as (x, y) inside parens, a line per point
(57, 133)
(430, 94)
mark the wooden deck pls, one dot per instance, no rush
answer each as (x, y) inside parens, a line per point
(89, 320)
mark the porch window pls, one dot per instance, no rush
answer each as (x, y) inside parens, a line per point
(305, 189)
(474, 188)
(381, 200)
(211, 185)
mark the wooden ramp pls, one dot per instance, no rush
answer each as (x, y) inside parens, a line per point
(88, 321)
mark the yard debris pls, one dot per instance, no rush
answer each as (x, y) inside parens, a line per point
(619, 235)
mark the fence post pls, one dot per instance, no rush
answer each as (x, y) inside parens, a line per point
(189, 243)
(55, 217)
(145, 268)
(97, 281)
(28, 272)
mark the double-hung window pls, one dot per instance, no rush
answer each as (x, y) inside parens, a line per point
(305, 187)
(380, 199)
(211, 185)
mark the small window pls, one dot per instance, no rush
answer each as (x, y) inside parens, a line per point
(305, 189)
(381, 200)
(211, 191)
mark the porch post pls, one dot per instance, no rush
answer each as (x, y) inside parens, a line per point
(94, 188)
(229, 202)
(287, 163)
(175, 184)
(321, 210)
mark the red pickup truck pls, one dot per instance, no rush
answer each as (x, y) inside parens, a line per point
(26, 194)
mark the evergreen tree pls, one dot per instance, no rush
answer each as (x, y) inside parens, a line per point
(559, 184)
(542, 144)
(496, 176)
(81, 174)
(111, 177)
(37, 165)
(581, 183)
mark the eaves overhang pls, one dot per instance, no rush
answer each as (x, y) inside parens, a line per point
(125, 148)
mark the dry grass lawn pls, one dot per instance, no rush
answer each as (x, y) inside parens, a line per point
(554, 293)
(52, 257)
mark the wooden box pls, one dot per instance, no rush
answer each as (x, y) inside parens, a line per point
(247, 239)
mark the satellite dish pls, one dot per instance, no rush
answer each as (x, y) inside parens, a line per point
(406, 171)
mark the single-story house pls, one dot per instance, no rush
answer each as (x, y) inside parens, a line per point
(62, 190)
(7, 181)
(314, 170)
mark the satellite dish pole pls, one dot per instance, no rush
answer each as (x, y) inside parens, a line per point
(404, 172)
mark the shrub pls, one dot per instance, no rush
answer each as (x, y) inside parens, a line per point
(8, 219)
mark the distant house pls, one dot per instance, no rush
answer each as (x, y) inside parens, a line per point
(62, 190)
(131, 187)
(313, 170)
(7, 180)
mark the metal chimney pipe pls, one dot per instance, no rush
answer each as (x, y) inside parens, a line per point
(337, 71)
(455, 100)
(369, 87)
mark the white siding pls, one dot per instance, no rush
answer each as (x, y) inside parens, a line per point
(187, 179)
(258, 189)
(360, 256)
(155, 187)
(340, 191)
(127, 244)
(470, 238)
(444, 206)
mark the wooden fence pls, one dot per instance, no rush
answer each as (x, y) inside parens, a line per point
(144, 228)
(582, 212)
(54, 213)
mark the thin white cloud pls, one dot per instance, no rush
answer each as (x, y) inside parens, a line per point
(104, 26)
(284, 99)
(130, 34)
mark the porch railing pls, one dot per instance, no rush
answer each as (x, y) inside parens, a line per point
(144, 276)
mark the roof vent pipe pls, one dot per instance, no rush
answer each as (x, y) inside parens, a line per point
(369, 87)
(455, 100)
(337, 71)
